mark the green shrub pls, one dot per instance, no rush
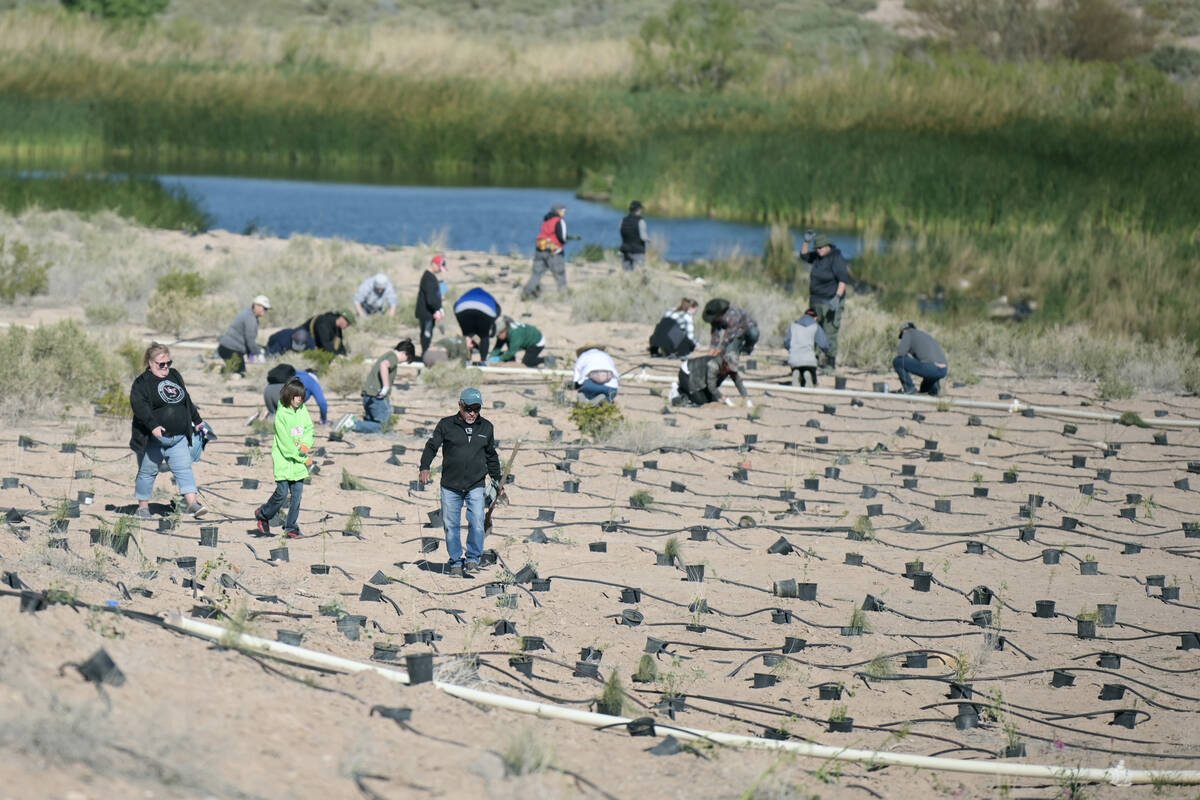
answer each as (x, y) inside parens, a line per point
(697, 46)
(1181, 63)
(118, 9)
(591, 253)
(596, 421)
(51, 366)
(182, 282)
(22, 272)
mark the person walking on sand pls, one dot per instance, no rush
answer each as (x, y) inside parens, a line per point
(290, 459)
(477, 311)
(376, 295)
(827, 281)
(325, 331)
(803, 338)
(550, 252)
(241, 338)
(468, 445)
(634, 238)
(429, 301)
(733, 330)
(166, 426)
(376, 387)
(517, 336)
(920, 354)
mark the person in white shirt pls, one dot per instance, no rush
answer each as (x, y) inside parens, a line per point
(596, 377)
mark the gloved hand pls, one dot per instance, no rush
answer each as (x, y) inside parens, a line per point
(438, 315)
(493, 359)
(809, 235)
(835, 303)
(383, 393)
(729, 401)
(308, 459)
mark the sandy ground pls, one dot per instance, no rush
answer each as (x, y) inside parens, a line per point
(195, 719)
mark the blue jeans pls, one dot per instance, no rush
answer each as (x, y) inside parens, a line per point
(927, 371)
(272, 506)
(452, 506)
(589, 389)
(376, 413)
(179, 457)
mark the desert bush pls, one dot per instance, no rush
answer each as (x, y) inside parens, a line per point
(451, 377)
(22, 272)
(104, 314)
(697, 46)
(344, 376)
(51, 366)
(640, 296)
(1181, 63)
(642, 436)
(596, 421)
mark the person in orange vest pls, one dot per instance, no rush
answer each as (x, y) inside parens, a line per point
(549, 254)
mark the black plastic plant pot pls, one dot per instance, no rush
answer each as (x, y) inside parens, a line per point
(1189, 641)
(981, 619)
(879, 387)
(1089, 568)
(1169, 593)
(781, 616)
(771, 659)
(1104, 474)
(875, 509)
(1060, 678)
(793, 644)
(1112, 691)
(651, 464)
(966, 718)
(851, 630)
(1027, 534)
(785, 588)
(1131, 549)
(319, 569)
(540, 585)
(844, 725)
(854, 559)
(695, 572)
(86, 498)
(186, 562)
(763, 680)
(1087, 488)
(812, 484)
(420, 668)
(1183, 485)
(57, 544)
(698, 533)
(806, 591)
(1045, 609)
(1191, 530)
(502, 627)
(289, 637)
(868, 493)
(1013, 751)
(1129, 512)
(598, 547)
(493, 589)
(1069, 523)
(1085, 628)
(916, 660)
(1107, 615)
(1109, 661)
(571, 487)
(435, 518)
(909, 483)
(980, 491)
(975, 548)
(12, 483)
(243, 461)
(32, 602)
(664, 560)
(59, 525)
(545, 515)
(280, 554)
(416, 486)
(833, 473)
(741, 474)
(586, 669)
(1010, 477)
(506, 601)
(370, 594)
(208, 536)
(385, 652)
(100, 668)
(913, 567)
(1051, 556)
(532, 643)
(631, 617)
(631, 595)
(1160, 438)
(1126, 718)
(429, 544)
(942, 506)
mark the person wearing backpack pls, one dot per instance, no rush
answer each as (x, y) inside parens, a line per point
(803, 338)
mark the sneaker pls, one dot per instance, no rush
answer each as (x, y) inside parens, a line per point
(143, 513)
(344, 424)
(456, 571)
(264, 526)
(197, 509)
(291, 533)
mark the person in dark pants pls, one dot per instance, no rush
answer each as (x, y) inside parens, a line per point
(429, 301)
(919, 354)
(469, 458)
(325, 331)
(549, 254)
(803, 339)
(289, 340)
(827, 281)
(517, 336)
(241, 339)
(634, 238)
(675, 334)
(290, 459)
(477, 311)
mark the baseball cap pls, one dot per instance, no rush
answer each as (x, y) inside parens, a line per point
(381, 281)
(261, 300)
(821, 241)
(470, 397)
(439, 261)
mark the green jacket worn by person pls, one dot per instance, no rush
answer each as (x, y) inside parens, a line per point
(293, 429)
(521, 336)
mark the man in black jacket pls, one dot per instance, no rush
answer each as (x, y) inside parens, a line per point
(429, 301)
(633, 238)
(827, 281)
(325, 331)
(468, 445)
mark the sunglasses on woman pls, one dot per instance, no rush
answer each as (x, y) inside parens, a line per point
(163, 364)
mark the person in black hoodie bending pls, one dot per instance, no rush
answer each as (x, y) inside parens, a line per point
(165, 423)
(429, 301)
(325, 331)
(468, 445)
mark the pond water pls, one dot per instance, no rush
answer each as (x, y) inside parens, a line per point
(486, 218)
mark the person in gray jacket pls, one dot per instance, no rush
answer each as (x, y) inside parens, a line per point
(376, 295)
(803, 338)
(241, 339)
(921, 355)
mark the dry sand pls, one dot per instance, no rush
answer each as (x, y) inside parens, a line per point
(198, 720)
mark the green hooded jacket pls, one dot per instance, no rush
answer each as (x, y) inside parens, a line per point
(521, 336)
(293, 427)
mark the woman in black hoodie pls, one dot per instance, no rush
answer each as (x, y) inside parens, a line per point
(165, 420)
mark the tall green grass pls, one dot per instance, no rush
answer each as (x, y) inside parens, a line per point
(140, 199)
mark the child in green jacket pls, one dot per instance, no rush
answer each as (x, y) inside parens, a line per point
(289, 452)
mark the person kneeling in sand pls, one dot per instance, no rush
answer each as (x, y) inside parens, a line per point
(699, 380)
(596, 377)
(376, 387)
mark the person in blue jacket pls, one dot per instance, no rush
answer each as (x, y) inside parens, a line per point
(477, 311)
(279, 375)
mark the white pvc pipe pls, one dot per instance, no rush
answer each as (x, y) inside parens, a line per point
(1117, 775)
